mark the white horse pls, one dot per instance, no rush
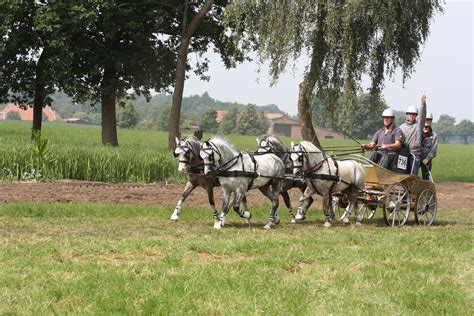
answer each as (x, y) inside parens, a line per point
(324, 175)
(239, 172)
(272, 144)
(187, 151)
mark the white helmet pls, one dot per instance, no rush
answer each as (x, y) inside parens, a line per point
(388, 113)
(412, 109)
(429, 116)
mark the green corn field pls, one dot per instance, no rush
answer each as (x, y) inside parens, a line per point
(75, 152)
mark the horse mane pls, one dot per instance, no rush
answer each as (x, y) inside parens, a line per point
(277, 142)
(309, 146)
(226, 148)
(312, 152)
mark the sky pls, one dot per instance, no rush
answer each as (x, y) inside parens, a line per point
(444, 72)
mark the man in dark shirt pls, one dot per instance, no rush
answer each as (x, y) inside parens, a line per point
(429, 146)
(387, 141)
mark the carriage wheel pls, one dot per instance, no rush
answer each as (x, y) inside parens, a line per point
(426, 207)
(337, 208)
(396, 207)
(366, 213)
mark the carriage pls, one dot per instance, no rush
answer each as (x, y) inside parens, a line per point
(396, 193)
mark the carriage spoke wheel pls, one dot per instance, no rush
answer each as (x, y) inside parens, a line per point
(337, 209)
(396, 207)
(366, 212)
(426, 207)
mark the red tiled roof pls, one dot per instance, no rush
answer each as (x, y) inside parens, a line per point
(27, 115)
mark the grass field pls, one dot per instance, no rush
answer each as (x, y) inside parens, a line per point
(63, 258)
(76, 152)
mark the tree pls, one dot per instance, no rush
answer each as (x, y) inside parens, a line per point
(208, 121)
(445, 127)
(13, 116)
(344, 40)
(228, 125)
(128, 115)
(114, 47)
(250, 122)
(202, 30)
(32, 51)
(464, 129)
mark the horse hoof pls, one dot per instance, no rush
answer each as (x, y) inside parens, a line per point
(276, 221)
(358, 223)
(293, 220)
(268, 226)
(217, 225)
(327, 224)
(345, 220)
(222, 221)
(174, 217)
(247, 214)
(300, 217)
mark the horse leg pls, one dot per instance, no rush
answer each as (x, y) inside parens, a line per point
(304, 202)
(327, 209)
(225, 207)
(210, 196)
(286, 198)
(273, 219)
(246, 209)
(187, 191)
(239, 194)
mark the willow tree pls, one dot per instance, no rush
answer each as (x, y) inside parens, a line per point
(343, 39)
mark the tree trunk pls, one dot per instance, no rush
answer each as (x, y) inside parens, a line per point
(186, 35)
(40, 94)
(306, 88)
(108, 96)
(38, 104)
(304, 113)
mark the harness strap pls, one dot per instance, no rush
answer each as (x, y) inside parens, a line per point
(327, 177)
(337, 174)
(238, 173)
(254, 170)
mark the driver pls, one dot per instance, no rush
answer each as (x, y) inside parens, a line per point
(388, 140)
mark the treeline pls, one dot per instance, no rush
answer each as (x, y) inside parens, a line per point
(367, 119)
(154, 114)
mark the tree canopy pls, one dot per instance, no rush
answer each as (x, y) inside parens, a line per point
(344, 40)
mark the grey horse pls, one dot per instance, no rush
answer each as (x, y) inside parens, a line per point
(272, 144)
(187, 152)
(239, 172)
(324, 175)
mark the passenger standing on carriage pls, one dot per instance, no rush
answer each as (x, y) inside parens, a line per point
(387, 140)
(428, 148)
(413, 129)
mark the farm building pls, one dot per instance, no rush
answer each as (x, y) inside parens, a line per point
(280, 124)
(27, 115)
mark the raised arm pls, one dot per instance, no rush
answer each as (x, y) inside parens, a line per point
(422, 113)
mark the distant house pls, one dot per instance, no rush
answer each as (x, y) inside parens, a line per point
(76, 120)
(280, 124)
(27, 115)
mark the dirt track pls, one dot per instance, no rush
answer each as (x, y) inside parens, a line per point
(450, 195)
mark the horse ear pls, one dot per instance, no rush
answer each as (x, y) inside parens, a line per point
(177, 141)
(258, 141)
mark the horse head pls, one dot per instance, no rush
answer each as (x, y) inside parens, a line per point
(305, 156)
(186, 152)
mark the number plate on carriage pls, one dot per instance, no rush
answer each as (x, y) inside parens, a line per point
(402, 162)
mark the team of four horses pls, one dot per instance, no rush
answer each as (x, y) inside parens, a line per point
(273, 169)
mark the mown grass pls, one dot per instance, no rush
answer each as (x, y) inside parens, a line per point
(103, 259)
(76, 152)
